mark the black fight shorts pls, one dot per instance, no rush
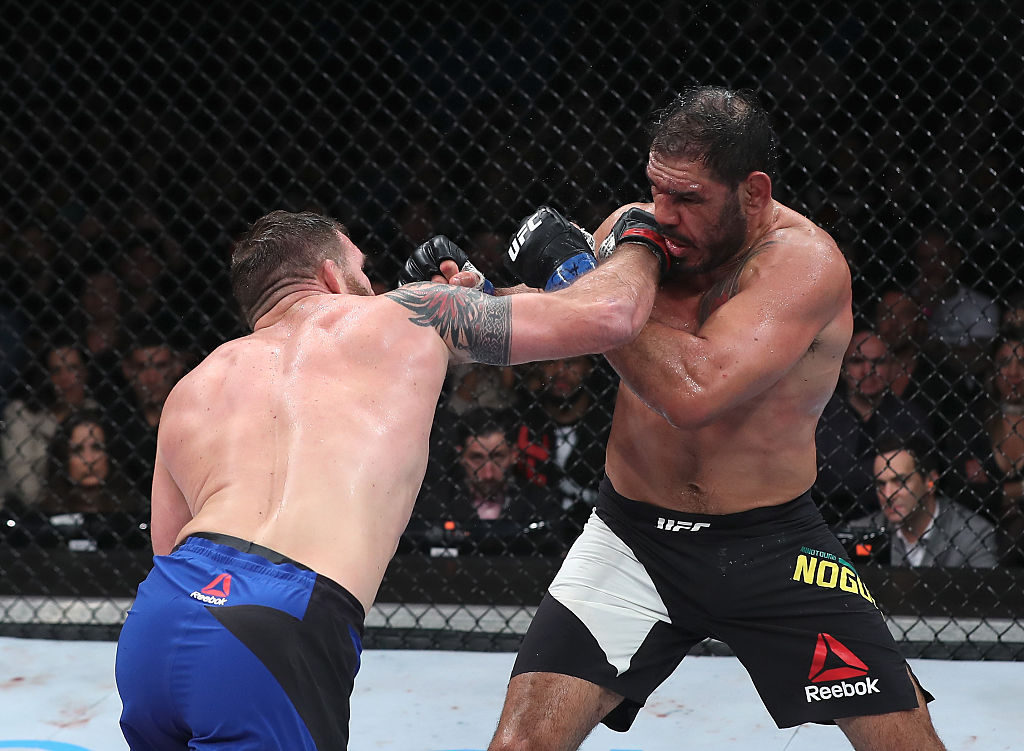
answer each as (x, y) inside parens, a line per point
(643, 585)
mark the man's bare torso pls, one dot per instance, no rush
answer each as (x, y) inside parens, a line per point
(761, 450)
(310, 436)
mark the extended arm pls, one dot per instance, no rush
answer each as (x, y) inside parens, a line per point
(600, 311)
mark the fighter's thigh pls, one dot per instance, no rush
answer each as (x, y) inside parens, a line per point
(550, 712)
(910, 729)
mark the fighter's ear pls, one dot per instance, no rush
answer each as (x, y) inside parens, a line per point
(756, 192)
(329, 275)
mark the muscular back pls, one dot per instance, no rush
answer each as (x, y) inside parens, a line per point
(310, 437)
(722, 391)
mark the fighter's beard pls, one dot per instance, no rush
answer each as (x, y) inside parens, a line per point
(728, 243)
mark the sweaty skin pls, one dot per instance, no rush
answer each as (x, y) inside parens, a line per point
(718, 416)
(310, 435)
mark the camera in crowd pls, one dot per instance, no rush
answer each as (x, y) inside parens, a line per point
(864, 544)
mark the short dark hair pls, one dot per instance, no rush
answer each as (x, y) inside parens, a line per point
(483, 421)
(728, 131)
(280, 248)
(920, 447)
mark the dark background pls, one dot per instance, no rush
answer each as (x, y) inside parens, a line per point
(182, 123)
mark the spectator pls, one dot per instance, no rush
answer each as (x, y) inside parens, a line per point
(30, 267)
(100, 300)
(1012, 318)
(14, 326)
(149, 285)
(87, 506)
(480, 497)
(862, 409)
(564, 432)
(922, 527)
(99, 321)
(961, 320)
(51, 389)
(989, 453)
(151, 368)
(472, 384)
(913, 374)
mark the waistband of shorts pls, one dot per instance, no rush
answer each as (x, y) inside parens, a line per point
(194, 543)
(244, 546)
(800, 508)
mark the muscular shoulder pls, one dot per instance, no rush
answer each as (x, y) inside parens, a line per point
(800, 256)
(194, 387)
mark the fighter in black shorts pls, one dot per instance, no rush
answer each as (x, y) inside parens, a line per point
(642, 585)
(713, 429)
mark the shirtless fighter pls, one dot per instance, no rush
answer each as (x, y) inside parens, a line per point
(704, 526)
(288, 462)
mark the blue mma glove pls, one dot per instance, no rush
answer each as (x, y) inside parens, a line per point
(549, 252)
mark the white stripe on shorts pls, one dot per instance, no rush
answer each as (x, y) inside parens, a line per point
(610, 591)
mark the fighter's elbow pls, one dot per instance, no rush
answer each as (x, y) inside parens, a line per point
(692, 409)
(682, 419)
(621, 322)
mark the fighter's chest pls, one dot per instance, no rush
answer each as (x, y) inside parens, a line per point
(687, 309)
(686, 306)
(678, 312)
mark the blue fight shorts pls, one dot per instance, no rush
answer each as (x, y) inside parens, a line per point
(231, 645)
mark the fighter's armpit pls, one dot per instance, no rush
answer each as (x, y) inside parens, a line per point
(469, 321)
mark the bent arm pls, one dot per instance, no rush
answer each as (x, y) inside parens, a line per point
(785, 299)
(602, 310)
(170, 512)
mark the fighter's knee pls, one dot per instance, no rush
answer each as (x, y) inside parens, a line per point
(509, 738)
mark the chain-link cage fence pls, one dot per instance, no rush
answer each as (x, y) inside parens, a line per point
(139, 139)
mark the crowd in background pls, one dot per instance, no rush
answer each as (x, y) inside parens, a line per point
(96, 335)
(129, 166)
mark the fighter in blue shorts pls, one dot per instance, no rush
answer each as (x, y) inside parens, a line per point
(244, 628)
(288, 462)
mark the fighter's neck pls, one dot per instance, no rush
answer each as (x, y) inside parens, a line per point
(765, 223)
(286, 303)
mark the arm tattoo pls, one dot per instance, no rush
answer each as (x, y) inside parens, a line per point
(468, 320)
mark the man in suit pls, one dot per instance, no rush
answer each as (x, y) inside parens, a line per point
(923, 527)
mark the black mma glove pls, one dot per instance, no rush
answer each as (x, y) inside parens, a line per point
(638, 226)
(425, 262)
(549, 252)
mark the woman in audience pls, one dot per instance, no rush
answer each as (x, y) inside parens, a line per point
(85, 501)
(50, 390)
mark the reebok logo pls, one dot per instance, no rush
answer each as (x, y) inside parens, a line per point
(833, 661)
(677, 525)
(216, 592)
(524, 232)
(832, 651)
(860, 688)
